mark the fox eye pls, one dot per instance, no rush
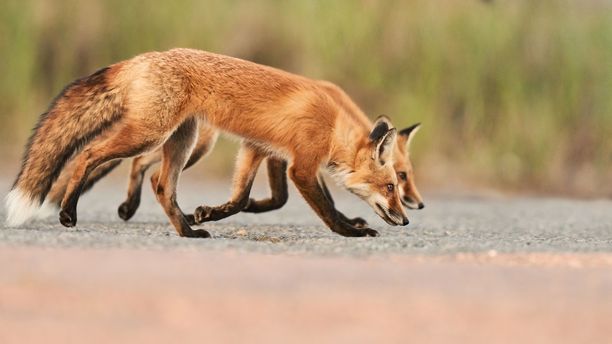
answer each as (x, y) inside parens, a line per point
(390, 187)
(402, 176)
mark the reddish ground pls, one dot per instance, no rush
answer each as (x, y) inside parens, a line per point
(102, 296)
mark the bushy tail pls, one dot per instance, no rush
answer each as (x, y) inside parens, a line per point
(82, 111)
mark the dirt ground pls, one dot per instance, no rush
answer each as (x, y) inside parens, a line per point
(134, 296)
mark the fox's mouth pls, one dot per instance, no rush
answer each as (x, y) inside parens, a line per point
(412, 204)
(390, 216)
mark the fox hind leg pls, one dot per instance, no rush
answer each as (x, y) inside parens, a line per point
(154, 182)
(175, 152)
(140, 165)
(100, 172)
(56, 194)
(207, 138)
(99, 152)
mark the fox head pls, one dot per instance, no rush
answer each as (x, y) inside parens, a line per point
(409, 195)
(373, 177)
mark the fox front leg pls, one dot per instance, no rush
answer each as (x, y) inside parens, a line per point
(277, 178)
(357, 221)
(249, 159)
(307, 183)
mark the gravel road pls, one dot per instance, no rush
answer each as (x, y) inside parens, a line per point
(466, 269)
(447, 225)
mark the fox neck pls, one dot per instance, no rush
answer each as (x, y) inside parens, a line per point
(346, 143)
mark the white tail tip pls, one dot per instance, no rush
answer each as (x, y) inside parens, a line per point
(19, 208)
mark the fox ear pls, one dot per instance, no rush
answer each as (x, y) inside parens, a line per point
(381, 126)
(383, 119)
(383, 137)
(406, 135)
(383, 146)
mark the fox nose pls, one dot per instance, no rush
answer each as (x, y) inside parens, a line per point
(405, 221)
(421, 205)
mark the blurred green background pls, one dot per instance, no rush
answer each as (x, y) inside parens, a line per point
(515, 95)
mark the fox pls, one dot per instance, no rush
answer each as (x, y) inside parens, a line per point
(240, 200)
(157, 99)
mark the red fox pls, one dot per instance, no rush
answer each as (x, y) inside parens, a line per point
(276, 172)
(156, 99)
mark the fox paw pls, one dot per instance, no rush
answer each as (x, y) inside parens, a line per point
(67, 218)
(196, 233)
(349, 231)
(202, 214)
(126, 211)
(190, 219)
(358, 222)
(371, 232)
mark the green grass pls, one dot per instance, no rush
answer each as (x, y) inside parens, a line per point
(513, 94)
